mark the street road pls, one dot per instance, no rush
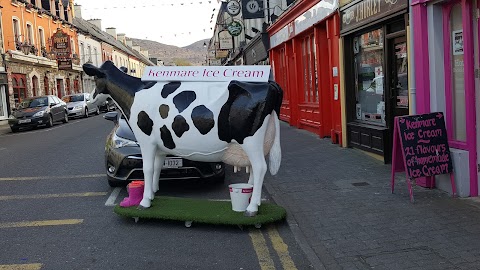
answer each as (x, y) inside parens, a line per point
(56, 212)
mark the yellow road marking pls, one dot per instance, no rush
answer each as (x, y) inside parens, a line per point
(47, 196)
(31, 266)
(281, 248)
(260, 246)
(50, 177)
(39, 223)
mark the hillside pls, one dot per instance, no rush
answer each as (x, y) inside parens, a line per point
(194, 53)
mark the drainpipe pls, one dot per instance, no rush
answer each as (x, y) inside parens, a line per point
(411, 67)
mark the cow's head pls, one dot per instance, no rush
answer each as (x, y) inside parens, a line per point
(100, 78)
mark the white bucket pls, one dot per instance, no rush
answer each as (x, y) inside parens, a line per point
(240, 195)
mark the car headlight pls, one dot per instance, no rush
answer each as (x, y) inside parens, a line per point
(119, 142)
(39, 114)
(78, 107)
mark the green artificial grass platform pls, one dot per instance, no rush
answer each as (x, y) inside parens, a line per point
(202, 211)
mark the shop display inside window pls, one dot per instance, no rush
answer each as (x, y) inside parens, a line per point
(369, 78)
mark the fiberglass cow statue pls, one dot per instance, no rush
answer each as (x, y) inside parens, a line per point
(233, 122)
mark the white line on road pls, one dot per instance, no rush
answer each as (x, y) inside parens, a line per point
(111, 199)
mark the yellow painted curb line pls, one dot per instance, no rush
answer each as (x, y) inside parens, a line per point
(40, 223)
(31, 266)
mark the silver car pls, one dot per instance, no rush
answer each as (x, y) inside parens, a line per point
(79, 105)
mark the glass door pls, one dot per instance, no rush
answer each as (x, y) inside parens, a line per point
(398, 75)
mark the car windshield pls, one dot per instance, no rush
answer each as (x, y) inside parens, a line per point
(32, 103)
(74, 98)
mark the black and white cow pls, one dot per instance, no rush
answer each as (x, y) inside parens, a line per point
(234, 122)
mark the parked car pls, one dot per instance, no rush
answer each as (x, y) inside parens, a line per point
(79, 105)
(107, 106)
(123, 159)
(38, 111)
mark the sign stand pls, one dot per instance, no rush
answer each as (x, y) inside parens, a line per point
(420, 148)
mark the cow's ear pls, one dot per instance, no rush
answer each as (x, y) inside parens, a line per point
(92, 70)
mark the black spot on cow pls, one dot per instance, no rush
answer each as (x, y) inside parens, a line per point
(202, 119)
(145, 123)
(170, 88)
(167, 137)
(184, 99)
(246, 108)
(180, 125)
(163, 109)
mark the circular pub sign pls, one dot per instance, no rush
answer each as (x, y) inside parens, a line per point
(234, 28)
(233, 7)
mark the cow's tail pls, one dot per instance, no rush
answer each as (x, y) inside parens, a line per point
(275, 155)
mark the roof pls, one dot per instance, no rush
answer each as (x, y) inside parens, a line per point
(87, 27)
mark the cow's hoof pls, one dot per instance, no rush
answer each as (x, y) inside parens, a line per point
(250, 214)
(144, 204)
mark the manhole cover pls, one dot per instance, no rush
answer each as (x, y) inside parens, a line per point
(360, 184)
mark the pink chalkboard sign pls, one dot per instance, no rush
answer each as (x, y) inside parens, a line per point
(420, 148)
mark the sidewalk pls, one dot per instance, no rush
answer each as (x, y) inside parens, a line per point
(4, 127)
(344, 216)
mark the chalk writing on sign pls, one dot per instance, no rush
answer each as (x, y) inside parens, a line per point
(425, 145)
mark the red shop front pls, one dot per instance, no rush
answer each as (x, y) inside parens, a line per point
(304, 56)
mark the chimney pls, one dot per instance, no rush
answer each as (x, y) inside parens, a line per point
(145, 53)
(121, 38)
(77, 11)
(136, 48)
(96, 22)
(112, 31)
(129, 43)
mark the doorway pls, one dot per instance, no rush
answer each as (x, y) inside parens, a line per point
(3, 103)
(398, 76)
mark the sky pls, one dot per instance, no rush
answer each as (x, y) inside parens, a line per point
(173, 22)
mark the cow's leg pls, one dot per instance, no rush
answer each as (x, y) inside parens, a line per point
(159, 160)
(250, 176)
(253, 147)
(148, 156)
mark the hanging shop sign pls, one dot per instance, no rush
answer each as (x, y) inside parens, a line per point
(64, 64)
(234, 28)
(61, 44)
(211, 54)
(221, 53)
(233, 7)
(257, 50)
(367, 11)
(252, 9)
(226, 40)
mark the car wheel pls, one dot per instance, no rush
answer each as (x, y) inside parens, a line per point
(86, 113)
(116, 183)
(50, 121)
(14, 129)
(65, 118)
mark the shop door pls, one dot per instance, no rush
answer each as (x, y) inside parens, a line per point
(398, 77)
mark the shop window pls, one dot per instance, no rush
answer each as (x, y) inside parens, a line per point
(35, 85)
(19, 88)
(455, 74)
(368, 51)
(309, 67)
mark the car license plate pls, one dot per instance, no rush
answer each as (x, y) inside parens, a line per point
(173, 163)
(22, 121)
